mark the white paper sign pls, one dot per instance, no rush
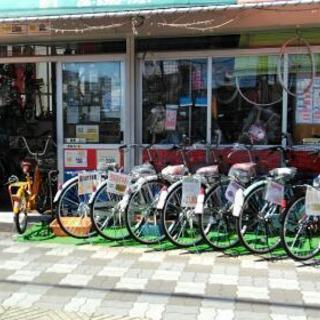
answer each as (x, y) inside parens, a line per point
(162, 199)
(274, 193)
(232, 188)
(117, 182)
(87, 182)
(312, 202)
(190, 191)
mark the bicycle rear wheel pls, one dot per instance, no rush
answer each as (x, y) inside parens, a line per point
(106, 216)
(181, 225)
(259, 222)
(73, 213)
(218, 225)
(300, 232)
(142, 216)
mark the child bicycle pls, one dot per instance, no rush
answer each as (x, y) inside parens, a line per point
(36, 192)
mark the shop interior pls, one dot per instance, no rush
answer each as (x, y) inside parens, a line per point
(27, 108)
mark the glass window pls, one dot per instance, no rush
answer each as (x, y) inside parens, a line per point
(246, 99)
(93, 102)
(304, 102)
(174, 101)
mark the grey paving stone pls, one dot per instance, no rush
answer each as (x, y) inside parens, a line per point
(244, 315)
(221, 290)
(121, 296)
(5, 273)
(198, 268)
(49, 278)
(176, 316)
(160, 286)
(145, 265)
(102, 282)
(183, 301)
(62, 291)
(94, 262)
(282, 295)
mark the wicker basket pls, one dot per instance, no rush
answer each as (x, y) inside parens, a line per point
(77, 225)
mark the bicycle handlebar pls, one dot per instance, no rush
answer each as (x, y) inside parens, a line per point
(36, 154)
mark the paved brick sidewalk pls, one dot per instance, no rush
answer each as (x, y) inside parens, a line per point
(140, 282)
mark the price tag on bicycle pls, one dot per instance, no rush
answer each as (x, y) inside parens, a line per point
(274, 193)
(117, 183)
(190, 192)
(312, 201)
(87, 182)
(231, 191)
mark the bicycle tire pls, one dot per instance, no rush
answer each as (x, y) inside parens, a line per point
(287, 233)
(78, 208)
(108, 202)
(169, 226)
(217, 224)
(142, 209)
(264, 242)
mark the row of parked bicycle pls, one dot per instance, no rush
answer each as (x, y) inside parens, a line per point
(218, 204)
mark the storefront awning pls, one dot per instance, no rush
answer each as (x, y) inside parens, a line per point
(29, 10)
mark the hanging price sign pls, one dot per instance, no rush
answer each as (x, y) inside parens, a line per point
(87, 182)
(312, 201)
(117, 182)
(274, 193)
(190, 192)
(232, 188)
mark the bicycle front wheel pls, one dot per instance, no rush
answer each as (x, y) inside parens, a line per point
(180, 224)
(142, 216)
(106, 215)
(218, 225)
(301, 232)
(73, 213)
(20, 217)
(259, 222)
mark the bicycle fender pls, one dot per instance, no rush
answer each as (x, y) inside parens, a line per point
(256, 184)
(64, 186)
(101, 185)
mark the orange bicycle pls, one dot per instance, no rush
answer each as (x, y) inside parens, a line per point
(35, 194)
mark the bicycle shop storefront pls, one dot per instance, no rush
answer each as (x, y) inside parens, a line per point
(156, 81)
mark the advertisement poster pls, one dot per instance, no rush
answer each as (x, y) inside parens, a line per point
(316, 101)
(72, 115)
(75, 158)
(304, 103)
(88, 132)
(171, 118)
(107, 156)
(94, 114)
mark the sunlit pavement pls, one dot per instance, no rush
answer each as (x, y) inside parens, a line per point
(49, 281)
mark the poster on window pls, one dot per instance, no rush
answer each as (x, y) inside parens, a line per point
(88, 132)
(316, 101)
(107, 156)
(75, 158)
(304, 112)
(171, 118)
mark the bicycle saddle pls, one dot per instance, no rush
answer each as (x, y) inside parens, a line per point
(208, 171)
(243, 171)
(283, 172)
(175, 170)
